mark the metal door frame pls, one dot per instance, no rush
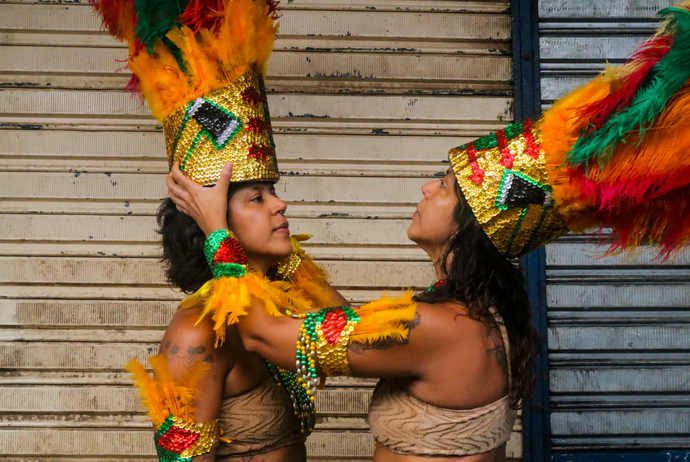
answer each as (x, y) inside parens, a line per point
(527, 103)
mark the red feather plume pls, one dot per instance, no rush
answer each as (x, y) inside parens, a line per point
(118, 17)
(202, 14)
(640, 65)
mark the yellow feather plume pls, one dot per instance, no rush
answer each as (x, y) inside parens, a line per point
(386, 318)
(226, 299)
(310, 280)
(163, 396)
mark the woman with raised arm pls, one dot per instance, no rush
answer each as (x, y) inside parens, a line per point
(612, 154)
(201, 71)
(200, 67)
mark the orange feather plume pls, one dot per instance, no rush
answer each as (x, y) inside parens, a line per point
(561, 128)
(204, 59)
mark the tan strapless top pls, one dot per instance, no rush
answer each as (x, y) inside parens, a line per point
(259, 421)
(406, 425)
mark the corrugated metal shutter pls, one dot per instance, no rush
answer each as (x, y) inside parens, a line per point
(619, 336)
(366, 95)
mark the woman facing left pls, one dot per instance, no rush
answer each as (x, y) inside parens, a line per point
(200, 67)
(239, 391)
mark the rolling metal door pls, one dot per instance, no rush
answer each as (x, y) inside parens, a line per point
(366, 97)
(619, 327)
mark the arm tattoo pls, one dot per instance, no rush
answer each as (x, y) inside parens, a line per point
(387, 343)
(173, 352)
(498, 350)
(255, 458)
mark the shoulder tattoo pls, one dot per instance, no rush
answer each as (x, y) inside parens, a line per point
(498, 350)
(173, 352)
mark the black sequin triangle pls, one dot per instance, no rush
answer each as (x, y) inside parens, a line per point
(217, 123)
(519, 192)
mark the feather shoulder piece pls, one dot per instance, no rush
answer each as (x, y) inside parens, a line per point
(385, 319)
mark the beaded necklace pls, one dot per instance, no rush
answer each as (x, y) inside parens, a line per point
(302, 401)
(434, 286)
(322, 336)
(227, 259)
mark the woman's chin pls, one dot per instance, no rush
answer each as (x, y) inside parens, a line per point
(413, 232)
(282, 247)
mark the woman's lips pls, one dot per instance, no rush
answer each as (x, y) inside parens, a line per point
(284, 228)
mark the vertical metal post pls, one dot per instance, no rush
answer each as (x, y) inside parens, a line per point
(536, 414)
(526, 75)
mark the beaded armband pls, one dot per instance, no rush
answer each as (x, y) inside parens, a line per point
(224, 255)
(179, 441)
(324, 336)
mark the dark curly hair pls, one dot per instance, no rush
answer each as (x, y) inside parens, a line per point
(183, 246)
(480, 277)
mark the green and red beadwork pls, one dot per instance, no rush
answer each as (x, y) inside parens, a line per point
(179, 441)
(323, 337)
(503, 178)
(224, 255)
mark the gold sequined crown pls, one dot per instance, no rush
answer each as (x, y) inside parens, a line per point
(228, 125)
(200, 67)
(504, 180)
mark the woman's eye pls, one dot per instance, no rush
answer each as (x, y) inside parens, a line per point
(257, 198)
(443, 185)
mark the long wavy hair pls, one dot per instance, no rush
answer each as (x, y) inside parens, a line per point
(183, 246)
(480, 277)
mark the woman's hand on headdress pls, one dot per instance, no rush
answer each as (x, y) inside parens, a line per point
(208, 206)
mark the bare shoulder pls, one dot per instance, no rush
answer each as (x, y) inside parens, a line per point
(185, 345)
(443, 326)
(187, 326)
(451, 317)
(189, 339)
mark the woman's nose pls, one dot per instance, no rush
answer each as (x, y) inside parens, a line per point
(428, 188)
(281, 206)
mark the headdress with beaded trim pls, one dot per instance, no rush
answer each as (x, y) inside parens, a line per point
(612, 154)
(199, 65)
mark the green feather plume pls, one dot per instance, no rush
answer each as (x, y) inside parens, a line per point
(155, 18)
(667, 77)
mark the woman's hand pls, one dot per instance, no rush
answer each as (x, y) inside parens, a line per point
(207, 206)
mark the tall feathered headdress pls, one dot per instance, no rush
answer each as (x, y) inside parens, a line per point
(199, 64)
(614, 153)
